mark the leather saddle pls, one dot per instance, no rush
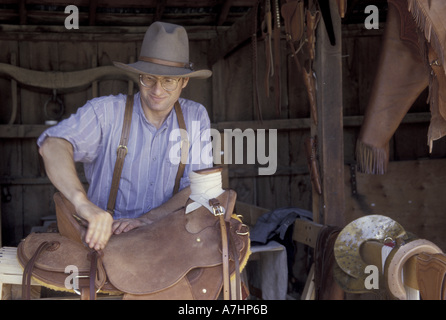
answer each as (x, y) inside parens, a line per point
(182, 256)
(431, 275)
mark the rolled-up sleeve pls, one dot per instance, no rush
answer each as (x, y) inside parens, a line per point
(82, 130)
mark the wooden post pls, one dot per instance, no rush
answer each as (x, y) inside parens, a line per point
(329, 207)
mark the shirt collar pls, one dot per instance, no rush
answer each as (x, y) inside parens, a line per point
(166, 123)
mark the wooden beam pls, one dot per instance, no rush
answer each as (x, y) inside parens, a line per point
(306, 232)
(309, 290)
(22, 12)
(160, 6)
(328, 66)
(249, 212)
(223, 44)
(92, 12)
(224, 12)
(279, 124)
(32, 180)
(22, 131)
(305, 123)
(33, 131)
(141, 3)
(95, 33)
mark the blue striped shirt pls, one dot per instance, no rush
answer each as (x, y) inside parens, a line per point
(151, 164)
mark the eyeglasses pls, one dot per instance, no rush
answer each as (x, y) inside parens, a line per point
(168, 84)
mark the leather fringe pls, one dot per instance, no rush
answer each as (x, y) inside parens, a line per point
(371, 160)
(437, 127)
(428, 34)
(425, 24)
(432, 99)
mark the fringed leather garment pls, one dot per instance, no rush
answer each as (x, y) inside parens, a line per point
(412, 58)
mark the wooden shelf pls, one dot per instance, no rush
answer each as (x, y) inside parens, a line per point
(34, 130)
(22, 130)
(305, 123)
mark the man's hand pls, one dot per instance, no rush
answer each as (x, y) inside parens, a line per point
(57, 154)
(125, 225)
(99, 225)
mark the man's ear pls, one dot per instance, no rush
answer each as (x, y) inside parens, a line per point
(185, 81)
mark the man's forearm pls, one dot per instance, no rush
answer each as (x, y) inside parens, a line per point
(57, 155)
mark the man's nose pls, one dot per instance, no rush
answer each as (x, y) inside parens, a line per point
(158, 88)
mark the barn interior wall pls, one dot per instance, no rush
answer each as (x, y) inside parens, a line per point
(228, 97)
(27, 193)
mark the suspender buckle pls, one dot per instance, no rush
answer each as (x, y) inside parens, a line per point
(122, 147)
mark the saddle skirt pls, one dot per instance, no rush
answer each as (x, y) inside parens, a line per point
(57, 261)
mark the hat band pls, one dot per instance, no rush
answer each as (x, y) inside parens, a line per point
(166, 62)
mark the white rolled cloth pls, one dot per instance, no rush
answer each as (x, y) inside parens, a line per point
(204, 187)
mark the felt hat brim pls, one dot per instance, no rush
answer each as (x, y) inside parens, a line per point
(142, 67)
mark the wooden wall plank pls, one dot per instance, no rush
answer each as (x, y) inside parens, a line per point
(411, 193)
(9, 50)
(115, 51)
(199, 89)
(12, 216)
(298, 108)
(232, 101)
(360, 52)
(240, 31)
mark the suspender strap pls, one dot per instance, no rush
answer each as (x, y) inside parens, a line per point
(121, 153)
(184, 146)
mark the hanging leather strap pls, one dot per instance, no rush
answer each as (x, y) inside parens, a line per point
(277, 63)
(228, 250)
(184, 148)
(267, 30)
(121, 153)
(256, 98)
(93, 274)
(219, 211)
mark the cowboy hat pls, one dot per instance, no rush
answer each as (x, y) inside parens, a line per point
(165, 52)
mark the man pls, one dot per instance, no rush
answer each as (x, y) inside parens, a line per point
(92, 136)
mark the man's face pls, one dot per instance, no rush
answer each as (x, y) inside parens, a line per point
(154, 96)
